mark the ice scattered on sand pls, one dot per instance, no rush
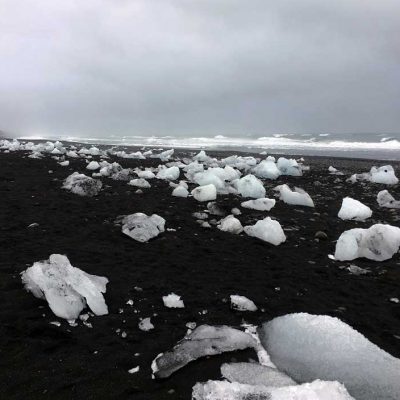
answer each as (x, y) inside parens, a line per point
(394, 300)
(64, 163)
(146, 174)
(180, 191)
(134, 370)
(268, 230)
(67, 289)
(141, 227)
(354, 209)
(355, 270)
(230, 224)
(379, 242)
(82, 185)
(173, 301)
(242, 303)
(385, 199)
(204, 341)
(384, 175)
(289, 167)
(93, 165)
(141, 183)
(146, 325)
(263, 204)
(250, 186)
(222, 390)
(170, 174)
(267, 169)
(334, 171)
(205, 193)
(309, 347)
(296, 197)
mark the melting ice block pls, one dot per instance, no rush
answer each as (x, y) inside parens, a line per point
(354, 209)
(385, 199)
(205, 340)
(309, 347)
(205, 193)
(170, 174)
(268, 230)
(67, 289)
(140, 182)
(242, 303)
(317, 390)
(384, 175)
(263, 204)
(380, 242)
(173, 301)
(82, 185)
(250, 186)
(296, 197)
(230, 224)
(267, 169)
(180, 191)
(289, 167)
(141, 227)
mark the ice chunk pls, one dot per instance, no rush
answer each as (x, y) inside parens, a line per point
(64, 163)
(255, 374)
(173, 301)
(267, 169)
(354, 209)
(380, 242)
(170, 174)
(201, 156)
(82, 185)
(242, 303)
(385, 199)
(297, 197)
(180, 191)
(250, 186)
(289, 167)
(384, 175)
(142, 183)
(205, 193)
(334, 171)
(204, 341)
(230, 224)
(141, 227)
(268, 230)
(145, 174)
(209, 177)
(146, 325)
(309, 347)
(263, 204)
(67, 289)
(93, 165)
(317, 390)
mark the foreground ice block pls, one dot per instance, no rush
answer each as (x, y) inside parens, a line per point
(268, 230)
(230, 224)
(67, 289)
(309, 347)
(141, 227)
(289, 167)
(380, 242)
(317, 390)
(296, 197)
(267, 169)
(82, 185)
(250, 186)
(205, 193)
(385, 199)
(205, 340)
(170, 174)
(384, 175)
(354, 209)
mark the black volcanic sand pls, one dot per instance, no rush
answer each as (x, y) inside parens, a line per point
(39, 360)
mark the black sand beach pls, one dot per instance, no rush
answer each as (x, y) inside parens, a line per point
(39, 360)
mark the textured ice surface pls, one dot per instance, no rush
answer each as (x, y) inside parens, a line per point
(385, 199)
(255, 374)
(309, 347)
(171, 173)
(141, 227)
(267, 169)
(146, 325)
(289, 167)
(180, 191)
(354, 209)
(250, 186)
(384, 175)
(173, 301)
(242, 303)
(146, 174)
(268, 230)
(230, 224)
(67, 289)
(140, 182)
(263, 204)
(93, 165)
(205, 193)
(82, 185)
(317, 390)
(205, 340)
(379, 242)
(296, 197)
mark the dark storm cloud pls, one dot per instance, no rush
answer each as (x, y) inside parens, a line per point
(202, 67)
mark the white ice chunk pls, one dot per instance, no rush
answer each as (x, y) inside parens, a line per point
(173, 301)
(141, 227)
(267, 169)
(170, 174)
(384, 175)
(205, 193)
(263, 204)
(380, 242)
(82, 185)
(180, 191)
(146, 174)
(93, 165)
(67, 289)
(242, 303)
(309, 347)
(204, 341)
(289, 167)
(230, 224)
(268, 230)
(317, 390)
(64, 163)
(296, 197)
(207, 178)
(142, 183)
(385, 199)
(146, 325)
(354, 209)
(250, 186)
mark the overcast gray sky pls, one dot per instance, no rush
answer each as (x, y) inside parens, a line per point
(200, 67)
